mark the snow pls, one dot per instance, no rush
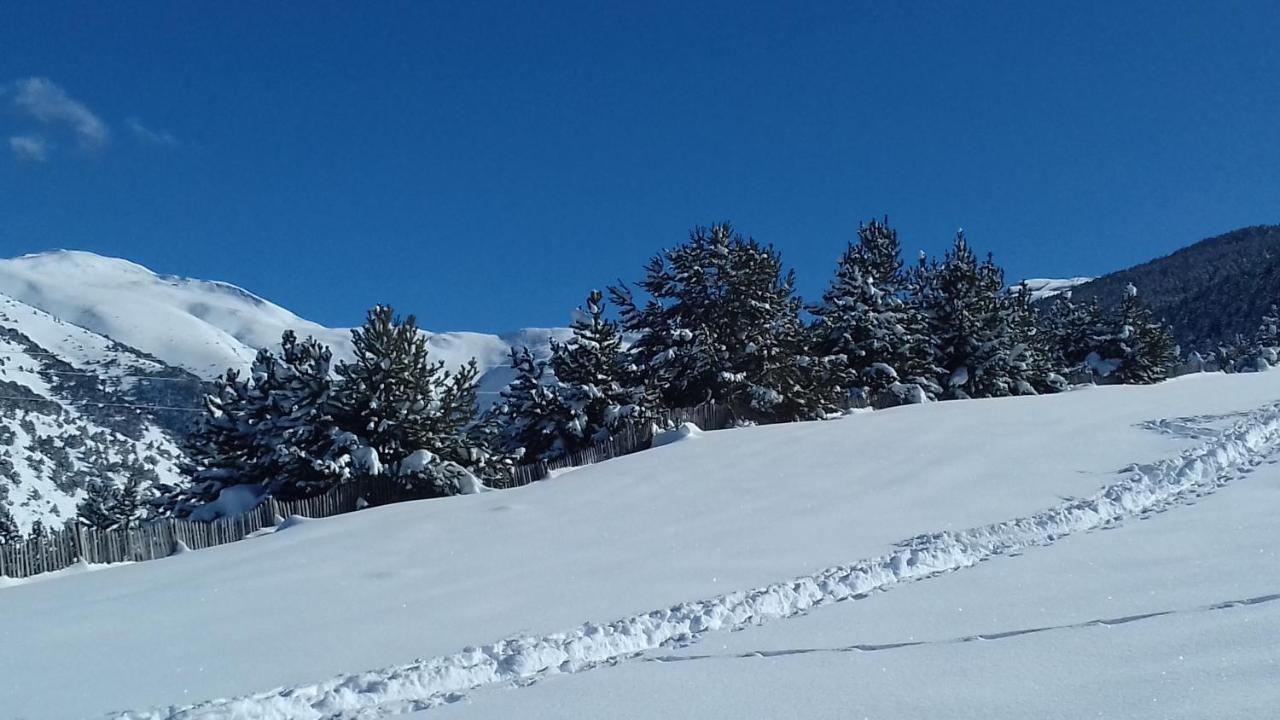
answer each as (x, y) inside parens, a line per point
(207, 326)
(231, 501)
(557, 581)
(1174, 615)
(52, 448)
(1042, 288)
(686, 431)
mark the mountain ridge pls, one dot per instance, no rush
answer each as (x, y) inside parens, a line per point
(207, 326)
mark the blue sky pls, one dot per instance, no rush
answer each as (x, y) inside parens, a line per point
(484, 165)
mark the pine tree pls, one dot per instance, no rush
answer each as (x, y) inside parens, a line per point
(98, 508)
(9, 531)
(1232, 355)
(1268, 333)
(401, 404)
(1073, 331)
(1144, 346)
(588, 385)
(219, 444)
(299, 452)
(1265, 350)
(130, 504)
(38, 540)
(867, 336)
(1026, 349)
(274, 428)
(722, 324)
(962, 299)
(527, 410)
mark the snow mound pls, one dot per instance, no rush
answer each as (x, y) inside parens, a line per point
(686, 431)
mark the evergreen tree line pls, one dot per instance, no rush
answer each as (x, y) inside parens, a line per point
(297, 423)
(714, 319)
(717, 319)
(1245, 354)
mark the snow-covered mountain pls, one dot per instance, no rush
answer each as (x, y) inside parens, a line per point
(1042, 288)
(77, 407)
(206, 326)
(101, 361)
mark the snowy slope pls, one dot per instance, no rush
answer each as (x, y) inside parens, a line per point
(1174, 617)
(69, 413)
(643, 554)
(1173, 614)
(1042, 288)
(200, 325)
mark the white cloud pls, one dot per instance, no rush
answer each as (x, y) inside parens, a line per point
(29, 147)
(43, 100)
(152, 137)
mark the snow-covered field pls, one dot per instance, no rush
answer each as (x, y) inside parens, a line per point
(612, 590)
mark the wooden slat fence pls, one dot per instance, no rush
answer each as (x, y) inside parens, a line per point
(156, 539)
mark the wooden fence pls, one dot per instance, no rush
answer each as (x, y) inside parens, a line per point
(62, 548)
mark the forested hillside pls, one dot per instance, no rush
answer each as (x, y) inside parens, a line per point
(1208, 292)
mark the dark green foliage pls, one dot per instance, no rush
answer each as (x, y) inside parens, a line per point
(97, 509)
(979, 351)
(578, 397)
(398, 402)
(721, 324)
(867, 338)
(1208, 292)
(9, 532)
(590, 379)
(1144, 346)
(528, 409)
(273, 428)
(1072, 331)
(1027, 349)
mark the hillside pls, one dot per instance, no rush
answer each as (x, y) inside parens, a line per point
(77, 407)
(612, 590)
(1209, 291)
(207, 326)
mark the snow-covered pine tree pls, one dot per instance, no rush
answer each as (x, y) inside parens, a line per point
(1026, 349)
(1145, 346)
(273, 428)
(867, 337)
(722, 323)
(38, 540)
(300, 452)
(1265, 350)
(1232, 355)
(9, 531)
(527, 408)
(410, 411)
(130, 506)
(962, 299)
(219, 443)
(1073, 331)
(589, 386)
(99, 506)
(1268, 333)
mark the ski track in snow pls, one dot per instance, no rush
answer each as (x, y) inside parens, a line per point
(1098, 623)
(521, 660)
